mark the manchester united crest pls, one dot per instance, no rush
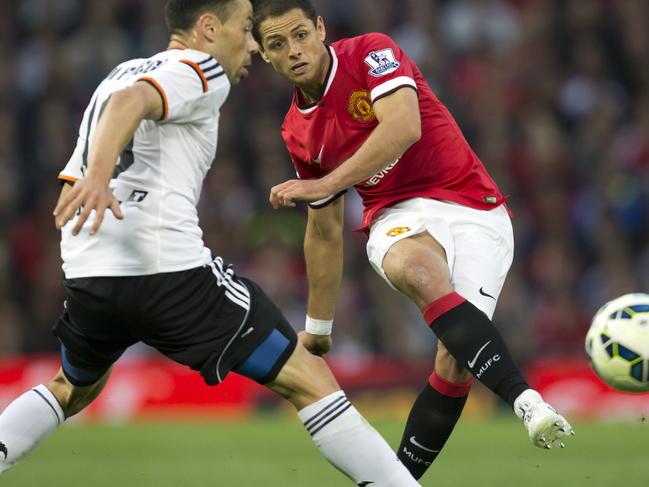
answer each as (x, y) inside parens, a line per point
(395, 232)
(360, 106)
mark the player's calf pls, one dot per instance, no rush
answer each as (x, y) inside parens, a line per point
(343, 436)
(434, 414)
(75, 398)
(29, 419)
(26, 422)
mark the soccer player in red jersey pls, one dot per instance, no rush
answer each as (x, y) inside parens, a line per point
(363, 115)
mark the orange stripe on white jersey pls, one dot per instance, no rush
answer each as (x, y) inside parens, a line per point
(199, 72)
(165, 103)
(67, 179)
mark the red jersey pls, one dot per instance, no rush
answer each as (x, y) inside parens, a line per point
(321, 136)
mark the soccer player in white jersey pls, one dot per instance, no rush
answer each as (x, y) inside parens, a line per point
(140, 272)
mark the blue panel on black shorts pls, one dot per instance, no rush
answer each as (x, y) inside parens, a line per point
(262, 360)
(76, 376)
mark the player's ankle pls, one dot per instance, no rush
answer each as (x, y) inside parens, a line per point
(525, 402)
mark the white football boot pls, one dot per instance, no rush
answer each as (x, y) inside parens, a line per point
(545, 426)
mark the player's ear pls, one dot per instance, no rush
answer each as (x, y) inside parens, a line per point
(320, 27)
(208, 26)
(262, 53)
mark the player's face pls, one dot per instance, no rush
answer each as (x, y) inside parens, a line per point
(295, 47)
(236, 45)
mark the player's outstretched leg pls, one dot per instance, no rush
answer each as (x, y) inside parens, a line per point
(417, 266)
(472, 339)
(30, 418)
(343, 436)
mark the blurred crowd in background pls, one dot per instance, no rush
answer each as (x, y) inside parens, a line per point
(552, 95)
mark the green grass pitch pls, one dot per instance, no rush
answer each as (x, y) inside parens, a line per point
(274, 451)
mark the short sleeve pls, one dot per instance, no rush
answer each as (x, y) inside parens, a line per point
(192, 87)
(72, 170)
(384, 66)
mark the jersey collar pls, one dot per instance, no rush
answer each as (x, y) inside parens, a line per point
(331, 74)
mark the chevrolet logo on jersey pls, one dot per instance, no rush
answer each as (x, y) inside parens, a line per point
(395, 232)
(378, 177)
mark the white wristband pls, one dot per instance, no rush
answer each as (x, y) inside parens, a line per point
(318, 327)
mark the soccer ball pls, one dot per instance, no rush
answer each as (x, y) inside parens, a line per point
(618, 343)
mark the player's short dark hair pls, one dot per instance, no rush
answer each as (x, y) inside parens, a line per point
(181, 15)
(275, 8)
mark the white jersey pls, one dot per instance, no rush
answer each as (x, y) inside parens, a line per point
(159, 175)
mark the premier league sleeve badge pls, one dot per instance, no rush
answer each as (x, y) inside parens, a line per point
(382, 62)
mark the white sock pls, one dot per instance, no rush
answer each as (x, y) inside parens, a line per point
(26, 422)
(352, 445)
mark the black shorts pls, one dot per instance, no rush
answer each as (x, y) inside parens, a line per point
(206, 318)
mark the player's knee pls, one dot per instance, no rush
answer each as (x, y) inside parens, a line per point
(304, 379)
(417, 275)
(417, 271)
(419, 279)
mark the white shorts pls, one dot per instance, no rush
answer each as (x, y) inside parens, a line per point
(479, 244)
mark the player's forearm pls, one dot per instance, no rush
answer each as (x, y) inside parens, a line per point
(324, 263)
(116, 127)
(389, 140)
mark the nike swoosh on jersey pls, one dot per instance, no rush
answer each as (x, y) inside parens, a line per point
(318, 160)
(472, 362)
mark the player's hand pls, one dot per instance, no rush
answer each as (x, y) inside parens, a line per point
(87, 194)
(309, 190)
(316, 344)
